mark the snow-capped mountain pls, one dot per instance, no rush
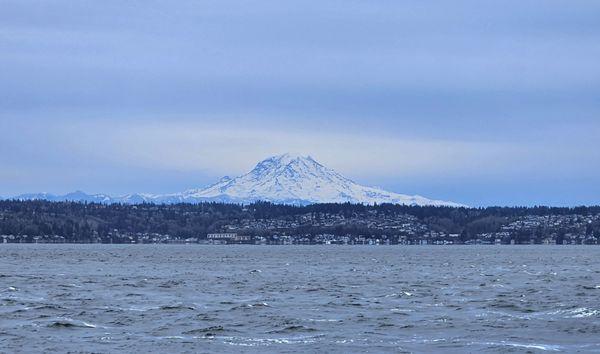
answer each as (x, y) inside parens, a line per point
(77, 196)
(287, 178)
(295, 179)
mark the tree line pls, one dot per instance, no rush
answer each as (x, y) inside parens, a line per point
(77, 221)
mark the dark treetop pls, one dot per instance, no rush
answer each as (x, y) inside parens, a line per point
(31, 221)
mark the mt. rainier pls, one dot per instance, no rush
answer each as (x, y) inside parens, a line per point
(287, 178)
(295, 179)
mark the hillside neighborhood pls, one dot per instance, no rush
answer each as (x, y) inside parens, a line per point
(265, 223)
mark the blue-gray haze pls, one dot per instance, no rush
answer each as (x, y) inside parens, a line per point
(476, 102)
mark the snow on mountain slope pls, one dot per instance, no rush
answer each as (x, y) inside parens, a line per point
(287, 178)
(298, 179)
(77, 196)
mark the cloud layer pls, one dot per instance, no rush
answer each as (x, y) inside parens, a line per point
(494, 104)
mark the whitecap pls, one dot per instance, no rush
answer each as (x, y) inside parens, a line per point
(244, 341)
(580, 312)
(544, 347)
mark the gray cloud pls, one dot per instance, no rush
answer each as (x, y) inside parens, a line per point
(457, 88)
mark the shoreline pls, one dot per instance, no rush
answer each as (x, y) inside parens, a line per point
(292, 245)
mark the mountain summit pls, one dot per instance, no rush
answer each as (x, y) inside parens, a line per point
(296, 179)
(287, 178)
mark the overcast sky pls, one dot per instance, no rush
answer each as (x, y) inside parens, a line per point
(483, 103)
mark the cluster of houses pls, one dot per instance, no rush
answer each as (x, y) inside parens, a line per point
(409, 230)
(373, 229)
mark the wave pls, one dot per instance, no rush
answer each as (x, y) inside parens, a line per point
(69, 323)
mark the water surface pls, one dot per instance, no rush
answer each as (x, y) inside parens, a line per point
(193, 298)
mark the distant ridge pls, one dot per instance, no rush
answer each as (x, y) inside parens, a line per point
(283, 179)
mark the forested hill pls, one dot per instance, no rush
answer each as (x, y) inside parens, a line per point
(82, 222)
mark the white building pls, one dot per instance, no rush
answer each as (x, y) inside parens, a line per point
(222, 236)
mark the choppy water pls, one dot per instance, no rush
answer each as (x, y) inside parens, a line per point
(158, 298)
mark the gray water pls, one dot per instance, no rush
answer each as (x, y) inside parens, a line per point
(160, 298)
